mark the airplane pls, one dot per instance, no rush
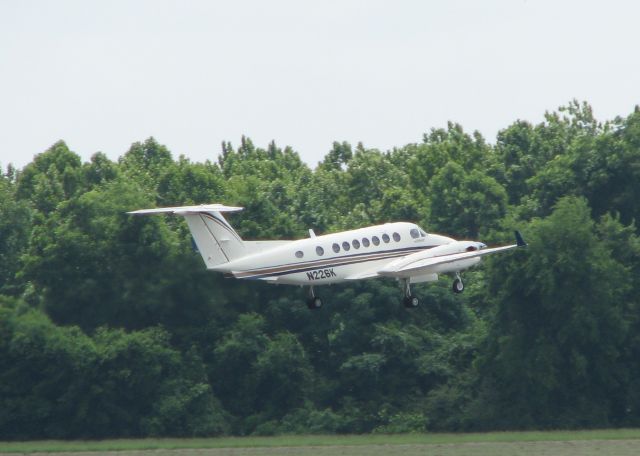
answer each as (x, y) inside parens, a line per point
(399, 250)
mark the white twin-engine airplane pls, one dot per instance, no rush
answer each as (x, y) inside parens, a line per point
(400, 250)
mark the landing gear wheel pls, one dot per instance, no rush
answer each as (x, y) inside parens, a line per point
(458, 286)
(411, 302)
(314, 303)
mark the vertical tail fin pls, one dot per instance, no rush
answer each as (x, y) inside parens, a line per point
(216, 240)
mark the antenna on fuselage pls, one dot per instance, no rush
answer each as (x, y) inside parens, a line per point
(311, 233)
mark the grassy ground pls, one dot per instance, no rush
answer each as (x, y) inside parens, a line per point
(621, 442)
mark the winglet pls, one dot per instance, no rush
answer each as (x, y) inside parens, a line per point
(519, 241)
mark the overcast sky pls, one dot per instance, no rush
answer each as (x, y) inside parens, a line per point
(103, 74)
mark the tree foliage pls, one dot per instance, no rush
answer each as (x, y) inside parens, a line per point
(111, 327)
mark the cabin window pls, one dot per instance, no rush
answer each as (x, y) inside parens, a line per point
(365, 242)
(396, 237)
(415, 234)
(375, 240)
(385, 238)
(336, 248)
(299, 254)
(346, 246)
(471, 248)
(319, 251)
(356, 244)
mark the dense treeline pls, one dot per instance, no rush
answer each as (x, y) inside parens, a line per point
(110, 325)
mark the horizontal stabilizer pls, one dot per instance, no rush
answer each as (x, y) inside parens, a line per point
(182, 210)
(215, 240)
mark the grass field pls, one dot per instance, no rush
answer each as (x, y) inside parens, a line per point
(621, 442)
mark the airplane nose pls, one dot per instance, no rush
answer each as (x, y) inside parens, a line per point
(483, 246)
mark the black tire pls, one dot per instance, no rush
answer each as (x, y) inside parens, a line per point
(314, 303)
(458, 286)
(411, 302)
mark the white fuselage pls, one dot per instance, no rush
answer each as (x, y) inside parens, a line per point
(347, 255)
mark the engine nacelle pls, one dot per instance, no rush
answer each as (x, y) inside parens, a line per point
(441, 250)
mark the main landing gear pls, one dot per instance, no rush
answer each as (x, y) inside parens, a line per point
(409, 301)
(458, 286)
(313, 302)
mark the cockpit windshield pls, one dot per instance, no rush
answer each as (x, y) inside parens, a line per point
(417, 233)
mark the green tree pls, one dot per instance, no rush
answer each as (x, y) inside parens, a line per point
(146, 163)
(266, 183)
(52, 177)
(149, 388)
(377, 191)
(57, 382)
(232, 371)
(284, 376)
(44, 376)
(548, 336)
(464, 203)
(339, 156)
(15, 224)
(191, 183)
(92, 263)
(98, 171)
(555, 344)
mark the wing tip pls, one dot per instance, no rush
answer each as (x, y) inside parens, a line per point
(520, 242)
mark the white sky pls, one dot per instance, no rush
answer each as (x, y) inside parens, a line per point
(103, 74)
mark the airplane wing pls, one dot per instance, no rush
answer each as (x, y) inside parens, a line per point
(423, 266)
(427, 265)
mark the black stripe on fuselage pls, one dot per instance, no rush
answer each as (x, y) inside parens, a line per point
(294, 268)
